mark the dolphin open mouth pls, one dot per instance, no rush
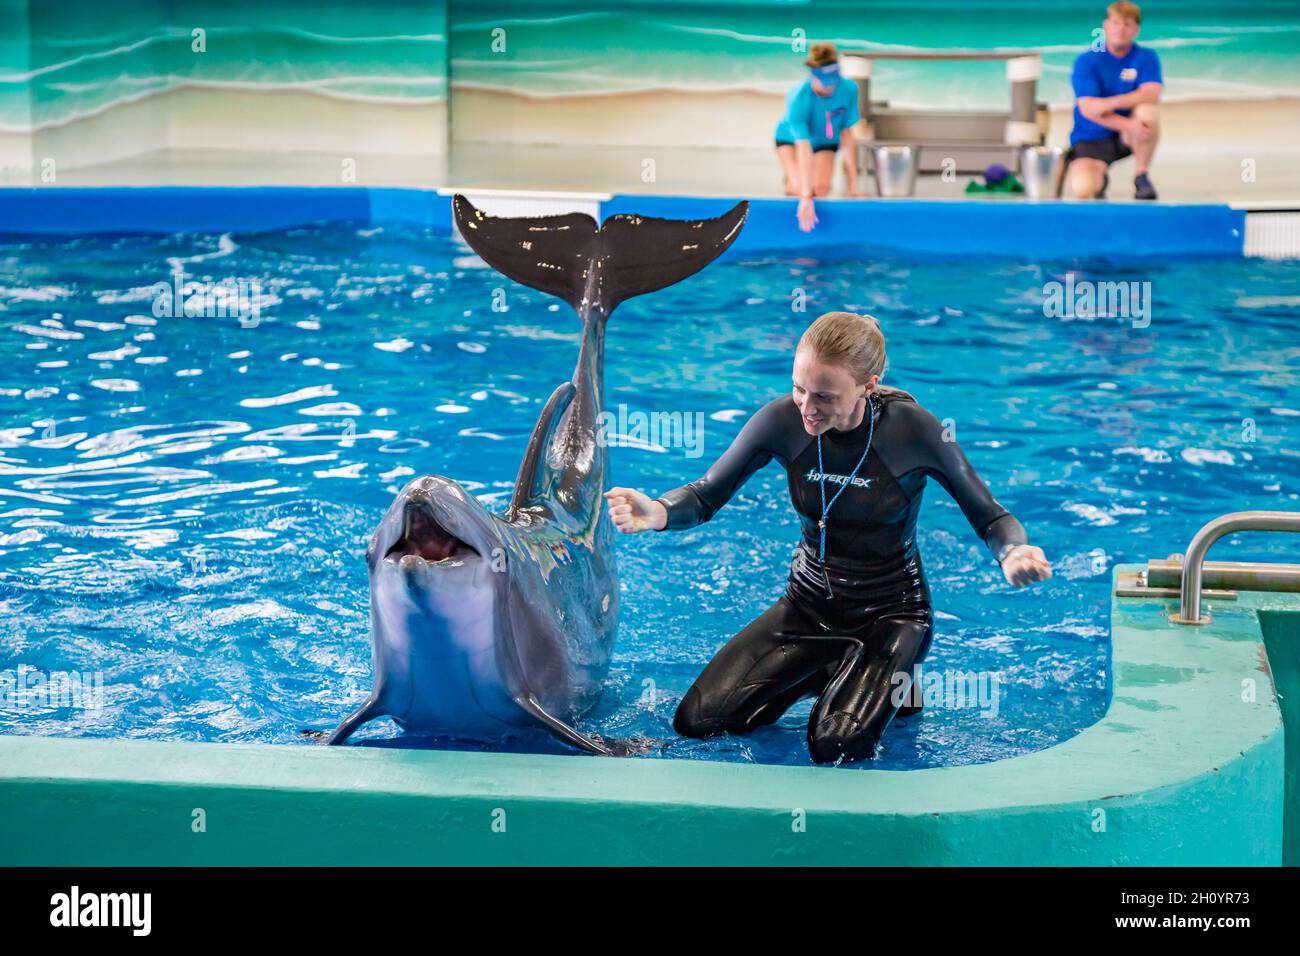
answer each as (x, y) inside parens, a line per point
(423, 535)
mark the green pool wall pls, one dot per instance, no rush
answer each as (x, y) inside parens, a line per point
(1187, 767)
(1281, 631)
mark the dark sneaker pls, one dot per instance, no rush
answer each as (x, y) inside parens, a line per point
(1105, 181)
(1142, 188)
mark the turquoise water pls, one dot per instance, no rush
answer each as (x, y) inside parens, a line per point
(185, 502)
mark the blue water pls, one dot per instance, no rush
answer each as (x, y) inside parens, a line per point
(185, 502)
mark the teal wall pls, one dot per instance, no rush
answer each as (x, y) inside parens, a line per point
(15, 63)
(15, 97)
(1281, 632)
(64, 59)
(90, 82)
(84, 56)
(1209, 48)
(63, 62)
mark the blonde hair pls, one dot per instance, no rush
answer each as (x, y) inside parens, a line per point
(822, 54)
(853, 342)
(1126, 11)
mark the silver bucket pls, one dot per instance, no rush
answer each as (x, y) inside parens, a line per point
(896, 169)
(1039, 167)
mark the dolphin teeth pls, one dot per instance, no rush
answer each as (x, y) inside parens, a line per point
(410, 560)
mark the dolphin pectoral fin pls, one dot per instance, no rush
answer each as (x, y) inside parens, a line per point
(366, 712)
(563, 730)
(633, 746)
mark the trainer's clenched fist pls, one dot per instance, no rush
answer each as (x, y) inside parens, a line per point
(631, 511)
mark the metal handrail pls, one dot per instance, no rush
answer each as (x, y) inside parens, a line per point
(1224, 576)
(1190, 585)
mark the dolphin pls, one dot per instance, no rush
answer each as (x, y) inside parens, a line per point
(481, 622)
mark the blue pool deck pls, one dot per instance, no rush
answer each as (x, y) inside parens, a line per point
(1188, 766)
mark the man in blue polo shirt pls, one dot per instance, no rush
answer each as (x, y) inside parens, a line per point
(1116, 90)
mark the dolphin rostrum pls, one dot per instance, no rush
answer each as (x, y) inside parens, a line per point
(482, 621)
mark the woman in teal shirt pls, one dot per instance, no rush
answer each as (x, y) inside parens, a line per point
(819, 116)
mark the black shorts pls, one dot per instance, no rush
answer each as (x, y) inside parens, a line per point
(816, 149)
(1108, 150)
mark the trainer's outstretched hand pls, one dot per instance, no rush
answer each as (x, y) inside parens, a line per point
(806, 215)
(631, 511)
(1025, 564)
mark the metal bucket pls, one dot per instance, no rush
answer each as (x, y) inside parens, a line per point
(1039, 167)
(896, 169)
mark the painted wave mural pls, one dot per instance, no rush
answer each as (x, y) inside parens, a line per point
(1209, 49)
(82, 58)
(402, 75)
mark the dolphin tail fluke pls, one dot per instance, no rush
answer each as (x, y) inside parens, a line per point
(636, 254)
(366, 712)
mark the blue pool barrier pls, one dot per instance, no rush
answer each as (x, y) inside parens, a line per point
(70, 210)
(1017, 229)
(1014, 229)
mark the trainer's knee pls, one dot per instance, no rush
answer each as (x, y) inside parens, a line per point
(1148, 113)
(1084, 185)
(691, 720)
(838, 736)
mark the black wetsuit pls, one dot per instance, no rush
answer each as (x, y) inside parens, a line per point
(844, 627)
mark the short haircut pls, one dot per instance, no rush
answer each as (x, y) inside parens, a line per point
(1125, 10)
(822, 54)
